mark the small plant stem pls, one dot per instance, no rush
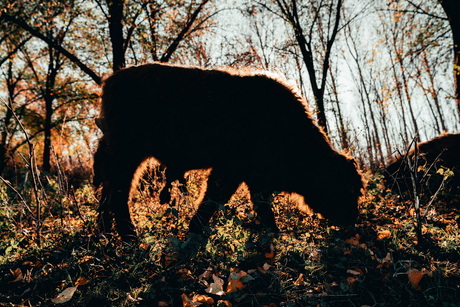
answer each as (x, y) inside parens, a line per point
(31, 163)
(416, 190)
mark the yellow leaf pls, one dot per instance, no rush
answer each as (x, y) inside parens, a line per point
(64, 296)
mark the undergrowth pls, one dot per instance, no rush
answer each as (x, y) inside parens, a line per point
(377, 262)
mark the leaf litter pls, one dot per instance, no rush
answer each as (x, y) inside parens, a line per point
(377, 262)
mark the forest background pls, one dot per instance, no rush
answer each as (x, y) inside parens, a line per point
(379, 76)
(377, 73)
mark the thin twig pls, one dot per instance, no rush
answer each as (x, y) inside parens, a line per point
(31, 162)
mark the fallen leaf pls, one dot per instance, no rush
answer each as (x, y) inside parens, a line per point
(17, 275)
(86, 259)
(234, 285)
(204, 299)
(246, 278)
(352, 241)
(242, 274)
(216, 287)
(224, 303)
(184, 274)
(271, 254)
(383, 234)
(169, 260)
(187, 302)
(206, 274)
(64, 296)
(355, 272)
(81, 281)
(387, 259)
(424, 230)
(265, 268)
(314, 255)
(144, 246)
(415, 276)
(351, 280)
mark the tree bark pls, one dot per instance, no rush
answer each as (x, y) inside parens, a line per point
(7, 130)
(452, 9)
(115, 19)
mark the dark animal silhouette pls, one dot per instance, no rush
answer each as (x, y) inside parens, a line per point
(423, 164)
(247, 127)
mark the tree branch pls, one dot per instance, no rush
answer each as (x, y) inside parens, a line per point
(96, 78)
(173, 47)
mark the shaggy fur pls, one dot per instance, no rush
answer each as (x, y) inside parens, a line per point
(247, 127)
(443, 150)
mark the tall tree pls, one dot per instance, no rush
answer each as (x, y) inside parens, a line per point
(55, 33)
(7, 124)
(122, 28)
(315, 25)
(452, 9)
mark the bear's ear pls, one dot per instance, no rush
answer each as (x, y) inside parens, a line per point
(100, 123)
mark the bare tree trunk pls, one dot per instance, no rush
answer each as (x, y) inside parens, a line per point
(289, 11)
(399, 93)
(49, 98)
(339, 118)
(11, 84)
(430, 92)
(115, 19)
(367, 101)
(383, 119)
(405, 85)
(452, 9)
